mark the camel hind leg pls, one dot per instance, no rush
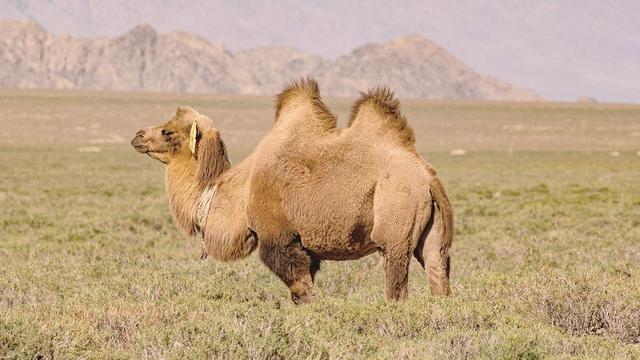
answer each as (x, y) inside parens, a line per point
(396, 230)
(396, 268)
(396, 263)
(433, 254)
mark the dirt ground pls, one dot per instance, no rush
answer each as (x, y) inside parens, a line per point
(54, 118)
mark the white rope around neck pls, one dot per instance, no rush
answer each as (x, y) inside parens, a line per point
(202, 213)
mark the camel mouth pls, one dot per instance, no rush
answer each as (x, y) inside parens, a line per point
(141, 148)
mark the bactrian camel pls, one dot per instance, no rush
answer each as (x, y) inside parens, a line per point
(210, 199)
(318, 192)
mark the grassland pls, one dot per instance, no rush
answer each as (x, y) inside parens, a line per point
(546, 256)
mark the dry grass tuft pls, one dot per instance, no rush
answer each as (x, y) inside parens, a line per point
(590, 305)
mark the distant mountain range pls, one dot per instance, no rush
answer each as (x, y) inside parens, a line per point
(146, 60)
(562, 50)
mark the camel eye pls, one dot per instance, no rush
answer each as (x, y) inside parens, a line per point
(167, 133)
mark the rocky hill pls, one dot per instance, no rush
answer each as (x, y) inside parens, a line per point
(146, 60)
(415, 67)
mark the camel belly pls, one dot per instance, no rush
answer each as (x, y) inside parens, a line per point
(353, 252)
(345, 238)
(329, 250)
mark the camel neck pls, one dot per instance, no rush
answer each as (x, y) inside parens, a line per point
(224, 227)
(184, 193)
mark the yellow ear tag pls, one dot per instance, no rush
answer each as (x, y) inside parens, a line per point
(192, 137)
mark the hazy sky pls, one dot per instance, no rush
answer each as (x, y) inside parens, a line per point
(561, 49)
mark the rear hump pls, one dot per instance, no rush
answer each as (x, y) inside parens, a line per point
(377, 113)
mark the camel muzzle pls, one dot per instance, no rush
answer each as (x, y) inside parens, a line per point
(139, 143)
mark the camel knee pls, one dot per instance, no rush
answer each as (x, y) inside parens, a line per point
(294, 266)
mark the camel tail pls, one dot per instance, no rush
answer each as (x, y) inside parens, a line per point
(377, 113)
(433, 249)
(446, 216)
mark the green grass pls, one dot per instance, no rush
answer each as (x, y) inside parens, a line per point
(546, 262)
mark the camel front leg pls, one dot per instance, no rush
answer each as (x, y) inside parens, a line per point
(293, 265)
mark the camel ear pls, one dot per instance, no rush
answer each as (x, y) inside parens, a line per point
(192, 137)
(210, 153)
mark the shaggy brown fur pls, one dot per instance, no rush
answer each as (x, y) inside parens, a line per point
(318, 192)
(226, 235)
(303, 97)
(387, 110)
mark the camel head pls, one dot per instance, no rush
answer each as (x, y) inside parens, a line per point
(188, 137)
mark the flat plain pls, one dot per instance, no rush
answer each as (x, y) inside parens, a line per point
(545, 260)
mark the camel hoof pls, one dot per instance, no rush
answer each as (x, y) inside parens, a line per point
(441, 291)
(302, 298)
